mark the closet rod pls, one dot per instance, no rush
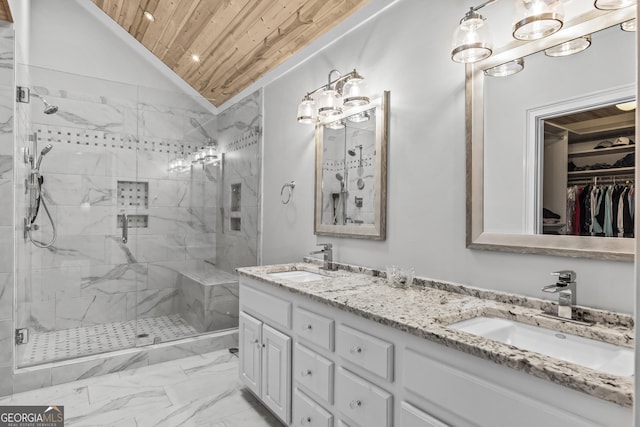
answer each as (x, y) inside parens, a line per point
(616, 179)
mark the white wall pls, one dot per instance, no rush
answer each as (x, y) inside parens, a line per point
(406, 50)
(76, 37)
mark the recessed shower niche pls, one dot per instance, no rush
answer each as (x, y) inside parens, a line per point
(133, 194)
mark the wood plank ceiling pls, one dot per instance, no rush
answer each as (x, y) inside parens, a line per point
(236, 41)
(5, 11)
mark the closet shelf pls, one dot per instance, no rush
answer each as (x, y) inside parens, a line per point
(601, 172)
(601, 151)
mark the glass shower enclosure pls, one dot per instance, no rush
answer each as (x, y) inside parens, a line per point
(116, 218)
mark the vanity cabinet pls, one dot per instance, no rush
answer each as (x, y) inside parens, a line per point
(349, 371)
(265, 352)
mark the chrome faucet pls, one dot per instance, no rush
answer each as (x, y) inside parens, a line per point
(327, 251)
(565, 287)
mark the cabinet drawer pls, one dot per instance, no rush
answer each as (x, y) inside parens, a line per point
(314, 328)
(362, 402)
(472, 398)
(410, 416)
(307, 413)
(365, 351)
(266, 307)
(313, 372)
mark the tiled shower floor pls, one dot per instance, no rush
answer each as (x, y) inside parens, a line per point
(86, 340)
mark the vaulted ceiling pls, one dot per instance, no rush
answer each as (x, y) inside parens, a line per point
(235, 41)
(5, 12)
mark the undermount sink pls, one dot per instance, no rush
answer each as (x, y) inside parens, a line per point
(299, 276)
(593, 354)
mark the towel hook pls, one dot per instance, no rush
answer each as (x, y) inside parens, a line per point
(290, 186)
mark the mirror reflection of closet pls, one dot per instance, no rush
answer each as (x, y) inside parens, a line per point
(588, 174)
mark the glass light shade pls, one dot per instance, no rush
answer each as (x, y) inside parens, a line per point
(354, 92)
(307, 111)
(627, 106)
(338, 124)
(329, 103)
(471, 39)
(536, 19)
(210, 154)
(569, 48)
(197, 157)
(612, 4)
(182, 165)
(506, 69)
(629, 25)
(360, 117)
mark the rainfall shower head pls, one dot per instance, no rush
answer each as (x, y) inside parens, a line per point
(352, 152)
(339, 177)
(48, 108)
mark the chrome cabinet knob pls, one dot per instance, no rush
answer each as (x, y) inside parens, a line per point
(355, 404)
(305, 420)
(355, 350)
(306, 373)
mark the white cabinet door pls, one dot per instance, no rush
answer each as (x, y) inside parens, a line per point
(276, 372)
(250, 350)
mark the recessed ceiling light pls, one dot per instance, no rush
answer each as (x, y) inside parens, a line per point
(195, 58)
(149, 16)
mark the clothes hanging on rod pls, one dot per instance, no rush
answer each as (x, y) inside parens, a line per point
(605, 210)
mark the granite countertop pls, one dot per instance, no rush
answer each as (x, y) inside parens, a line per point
(426, 308)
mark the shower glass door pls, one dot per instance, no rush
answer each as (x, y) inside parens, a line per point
(174, 228)
(76, 179)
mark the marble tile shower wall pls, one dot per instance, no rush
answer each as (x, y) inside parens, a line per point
(239, 135)
(360, 174)
(6, 213)
(100, 136)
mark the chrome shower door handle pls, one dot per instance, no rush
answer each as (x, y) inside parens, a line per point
(125, 228)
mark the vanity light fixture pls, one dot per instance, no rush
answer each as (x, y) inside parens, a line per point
(195, 58)
(612, 4)
(629, 25)
(149, 16)
(506, 69)
(333, 98)
(570, 47)
(472, 38)
(536, 19)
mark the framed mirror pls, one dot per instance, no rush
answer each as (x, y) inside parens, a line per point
(351, 172)
(510, 120)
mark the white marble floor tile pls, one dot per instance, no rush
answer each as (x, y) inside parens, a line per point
(201, 390)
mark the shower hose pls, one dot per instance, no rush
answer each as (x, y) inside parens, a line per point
(40, 199)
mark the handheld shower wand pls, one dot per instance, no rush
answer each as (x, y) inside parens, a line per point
(44, 151)
(36, 199)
